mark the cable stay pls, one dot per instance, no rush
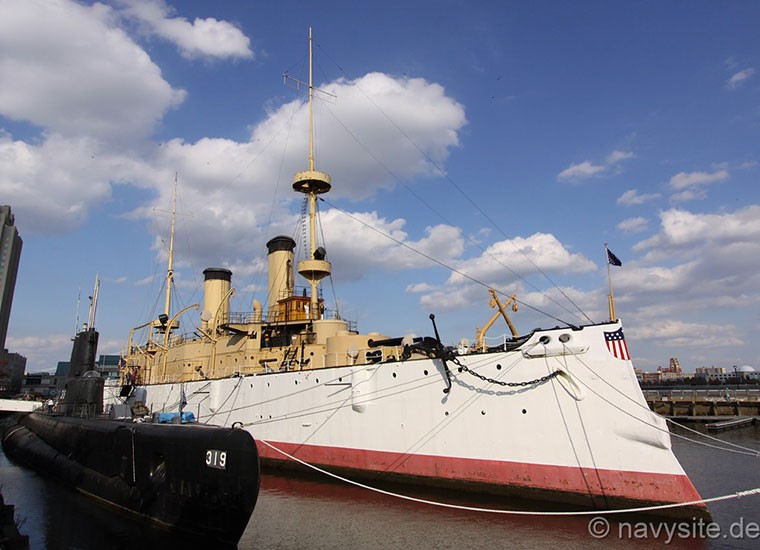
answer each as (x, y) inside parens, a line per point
(443, 264)
(467, 197)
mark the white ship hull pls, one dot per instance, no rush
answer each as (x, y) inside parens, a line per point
(586, 436)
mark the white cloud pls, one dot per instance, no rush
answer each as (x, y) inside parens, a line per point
(689, 195)
(420, 287)
(429, 119)
(633, 225)
(202, 38)
(39, 349)
(682, 230)
(525, 256)
(580, 171)
(98, 117)
(674, 333)
(684, 180)
(731, 62)
(556, 299)
(633, 197)
(655, 279)
(231, 205)
(53, 185)
(145, 281)
(587, 169)
(694, 284)
(692, 186)
(369, 249)
(738, 78)
(96, 97)
(696, 261)
(68, 69)
(504, 265)
(618, 156)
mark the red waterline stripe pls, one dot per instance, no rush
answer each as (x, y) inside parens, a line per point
(641, 486)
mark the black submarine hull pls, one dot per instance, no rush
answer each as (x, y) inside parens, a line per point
(201, 481)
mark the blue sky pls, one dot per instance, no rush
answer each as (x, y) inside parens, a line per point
(507, 140)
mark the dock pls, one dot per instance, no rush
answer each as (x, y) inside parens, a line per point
(731, 424)
(704, 402)
(18, 406)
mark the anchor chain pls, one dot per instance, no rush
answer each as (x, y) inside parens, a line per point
(434, 348)
(464, 368)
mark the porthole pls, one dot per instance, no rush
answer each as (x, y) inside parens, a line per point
(483, 413)
(425, 372)
(525, 411)
(394, 375)
(498, 367)
(564, 338)
(544, 340)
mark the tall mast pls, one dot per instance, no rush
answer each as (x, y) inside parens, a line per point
(170, 269)
(610, 297)
(312, 183)
(77, 328)
(312, 196)
(93, 303)
(311, 104)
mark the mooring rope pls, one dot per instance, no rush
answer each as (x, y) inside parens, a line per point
(730, 496)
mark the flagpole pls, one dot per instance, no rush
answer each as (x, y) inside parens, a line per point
(611, 297)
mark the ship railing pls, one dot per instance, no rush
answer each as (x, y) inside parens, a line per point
(708, 394)
(176, 339)
(334, 315)
(502, 340)
(277, 315)
(297, 291)
(241, 318)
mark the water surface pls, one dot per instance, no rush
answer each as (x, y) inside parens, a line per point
(314, 513)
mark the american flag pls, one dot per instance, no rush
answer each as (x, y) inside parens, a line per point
(616, 344)
(612, 259)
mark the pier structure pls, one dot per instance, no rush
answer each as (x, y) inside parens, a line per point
(713, 402)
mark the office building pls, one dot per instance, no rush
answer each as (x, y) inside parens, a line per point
(10, 252)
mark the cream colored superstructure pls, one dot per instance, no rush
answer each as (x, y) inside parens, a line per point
(287, 338)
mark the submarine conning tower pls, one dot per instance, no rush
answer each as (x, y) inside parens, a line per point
(82, 393)
(216, 295)
(280, 257)
(83, 352)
